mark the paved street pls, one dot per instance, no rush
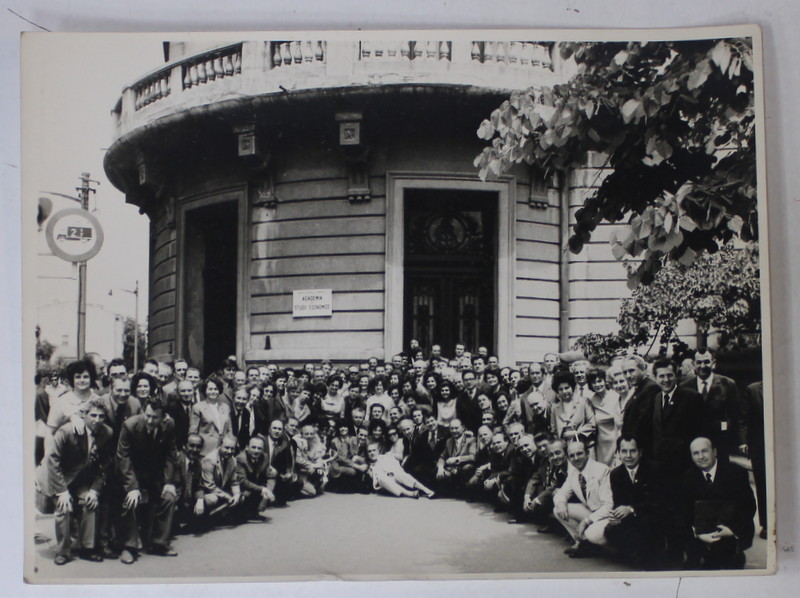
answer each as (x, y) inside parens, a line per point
(347, 536)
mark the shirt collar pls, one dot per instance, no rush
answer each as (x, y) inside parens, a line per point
(712, 471)
(709, 381)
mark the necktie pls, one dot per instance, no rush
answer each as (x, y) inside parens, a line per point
(118, 417)
(582, 483)
(704, 391)
(188, 482)
(709, 480)
(664, 401)
(93, 454)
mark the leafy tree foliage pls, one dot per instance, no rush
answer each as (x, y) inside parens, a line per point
(676, 123)
(601, 348)
(128, 342)
(44, 348)
(718, 291)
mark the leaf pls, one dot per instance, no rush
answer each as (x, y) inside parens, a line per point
(686, 223)
(735, 224)
(721, 55)
(631, 109)
(620, 58)
(618, 251)
(486, 130)
(699, 75)
(688, 257)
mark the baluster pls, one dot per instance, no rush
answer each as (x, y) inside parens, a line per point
(444, 50)
(319, 54)
(366, 50)
(297, 51)
(488, 51)
(405, 50)
(165, 90)
(227, 65)
(527, 53)
(378, 51)
(538, 57)
(431, 50)
(418, 54)
(547, 59)
(156, 90)
(308, 52)
(391, 50)
(286, 52)
(237, 62)
(201, 72)
(193, 74)
(500, 54)
(514, 52)
(187, 79)
(476, 52)
(277, 60)
(209, 66)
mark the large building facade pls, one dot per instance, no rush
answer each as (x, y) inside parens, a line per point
(269, 168)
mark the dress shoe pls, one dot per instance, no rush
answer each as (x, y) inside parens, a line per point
(158, 550)
(61, 559)
(127, 557)
(110, 553)
(580, 551)
(91, 555)
(763, 533)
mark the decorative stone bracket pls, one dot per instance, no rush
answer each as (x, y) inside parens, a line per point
(355, 154)
(250, 149)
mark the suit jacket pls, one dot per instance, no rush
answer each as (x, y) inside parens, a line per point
(212, 422)
(467, 409)
(466, 451)
(68, 464)
(598, 498)
(145, 462)
(188, 479)
(183, 419)
(282, 457)
(421, 455)
(116, 414)
(244, 430)
(253, 476)
(723, 409)
(639, 494)
(753, 416)
(731, 483)
(638, 402)
(219, 477)
(665, 433)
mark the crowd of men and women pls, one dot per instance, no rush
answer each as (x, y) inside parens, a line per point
(634, 458)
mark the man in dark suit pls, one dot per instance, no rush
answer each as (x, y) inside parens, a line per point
(467, 409)
(538, 500)
(719, 509)
(279, 455)
(180, 410)
(256, 479)
(146, 459)
(189, 483)
(753, 423)
(72, 475)
(242, 422)
(119, 405)
(668, 421)
(633, 528)
(423, 451)
(643, 389)
(722, 405)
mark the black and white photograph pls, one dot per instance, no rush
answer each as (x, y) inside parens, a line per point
(396, 305)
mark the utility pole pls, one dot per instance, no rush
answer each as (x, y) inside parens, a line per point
(83, 191)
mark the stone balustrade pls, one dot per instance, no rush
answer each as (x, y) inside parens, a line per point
(258, 68)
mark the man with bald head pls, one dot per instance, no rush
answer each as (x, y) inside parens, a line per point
(719, 506)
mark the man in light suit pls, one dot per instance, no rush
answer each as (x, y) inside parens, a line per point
(221, 488)
(586, 520)
(723, 407)
(146, 461)
(72, 475)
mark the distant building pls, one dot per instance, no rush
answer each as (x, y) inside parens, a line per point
(271, 167)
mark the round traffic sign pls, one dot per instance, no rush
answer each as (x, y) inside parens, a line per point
(74, 235)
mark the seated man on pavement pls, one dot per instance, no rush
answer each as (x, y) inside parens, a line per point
(588, 481)
(457, 461)
(633, 525)
(256, 479)
(388, 475)
(220, 484)
(538, 500)
(189, 482)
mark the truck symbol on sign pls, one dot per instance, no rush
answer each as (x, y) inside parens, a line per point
(76, 233)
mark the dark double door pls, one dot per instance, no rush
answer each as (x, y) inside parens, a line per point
(450, 268)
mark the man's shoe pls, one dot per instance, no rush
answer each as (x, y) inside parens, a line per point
(127, 557)
(581, 551)
(257, 517)
(763, 533)
(91, 555)
(110, 553)
(61, 559)
(158, 550)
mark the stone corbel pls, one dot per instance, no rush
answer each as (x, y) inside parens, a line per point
(251, 149)
(152, 188)
(355, 153)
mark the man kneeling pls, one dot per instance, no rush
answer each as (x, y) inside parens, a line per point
(588, 481)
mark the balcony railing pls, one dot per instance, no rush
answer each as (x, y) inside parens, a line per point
(244, 69)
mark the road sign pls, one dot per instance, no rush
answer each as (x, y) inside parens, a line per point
(74, 235)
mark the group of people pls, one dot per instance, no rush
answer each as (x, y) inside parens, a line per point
(633, 457)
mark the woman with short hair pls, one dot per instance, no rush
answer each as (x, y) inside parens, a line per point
(211, 417)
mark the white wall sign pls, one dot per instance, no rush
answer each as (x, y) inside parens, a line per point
(312, 303)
